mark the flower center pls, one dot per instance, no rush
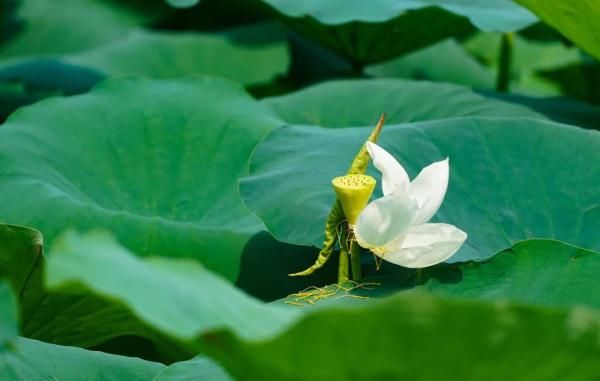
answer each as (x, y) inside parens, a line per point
(354, 192)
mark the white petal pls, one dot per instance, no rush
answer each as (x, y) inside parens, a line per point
(425, 245)
(385, 219)
(393, 174)
(429, 189)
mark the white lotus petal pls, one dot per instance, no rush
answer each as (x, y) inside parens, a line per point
(425, 245)
(392, 172)
(429, 189)
(384, 219)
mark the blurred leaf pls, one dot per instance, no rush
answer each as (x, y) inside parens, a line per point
(45, 76)
(457, 66)
(30, 80)
(578, 81)
(34, 360)
(10, 25)
(528, 55)
(31, 360)
(8, 315)
(66, 26)
(402, 336)
(249, 55)
(577, 20)
(510, 179)
(364, 42)
(563, 110)
(351, 103)
(494, 15)
(182, 3)
(375, 31)
(529, 59)
(216, 15)
(235, 329)
(56, 318)
(197, 369)
(180, 299)
(564, 276)
(104, 159)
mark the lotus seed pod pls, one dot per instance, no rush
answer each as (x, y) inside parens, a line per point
(354, 192)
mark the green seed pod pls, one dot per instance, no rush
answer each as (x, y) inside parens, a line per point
(354, 192)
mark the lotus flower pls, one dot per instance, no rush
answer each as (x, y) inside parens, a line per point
(395, 227)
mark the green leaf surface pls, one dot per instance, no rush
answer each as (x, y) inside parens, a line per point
(357, 103)
(249, 55)
(496, 15)
(179, 298)
(197, 369)
(57, 318)
(8, 315)
(559, 109)
(457, 66)
(419, 337)
(32, 360)
(489, 334)
(365, 42)
(541, 272)
(157, 162)
(66, 26)
(577, 20)
(369, 32)
(510, 179)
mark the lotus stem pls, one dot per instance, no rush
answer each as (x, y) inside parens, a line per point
(504, 63)
(355, 260)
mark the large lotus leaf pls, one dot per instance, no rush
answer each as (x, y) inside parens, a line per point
(156, 162)
(559, 109)
(8, 315)
(197, 369)
(51, 317)
(368, 32)
(577, 20)
(510, 179)
(422, 338)
(161, 295)
(493, 15)
(178, 298)
(535, 271)
(249, 55)
(565, 276)
(65, 26)
(353, 103)
(32, 360)
(457, 66)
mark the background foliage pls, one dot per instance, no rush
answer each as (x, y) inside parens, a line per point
(165, 164)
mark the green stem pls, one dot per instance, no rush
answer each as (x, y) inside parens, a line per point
(355, 260)
(419, 277)
(343, 266)
(504, 62)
